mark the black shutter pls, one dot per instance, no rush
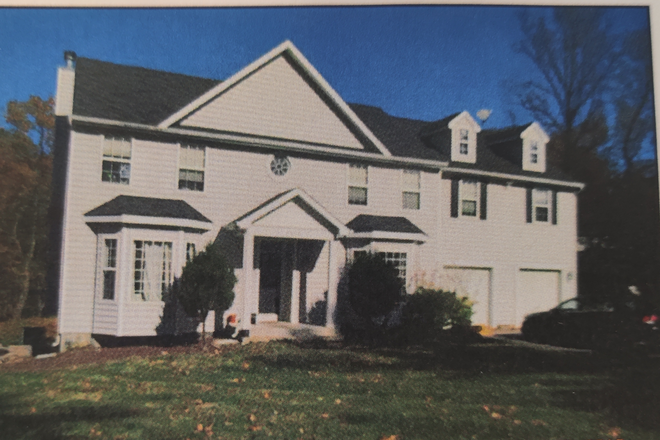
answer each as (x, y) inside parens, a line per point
(554, 206)
(454, 197)
(529, 205)
(483, 205)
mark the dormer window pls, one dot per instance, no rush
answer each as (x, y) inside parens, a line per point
(534, 156)
(464, 141)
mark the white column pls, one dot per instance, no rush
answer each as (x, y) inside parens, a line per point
(295, 286)
(334, 263)
(248, 291)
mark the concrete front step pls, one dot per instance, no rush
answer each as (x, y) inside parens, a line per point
(285, 330)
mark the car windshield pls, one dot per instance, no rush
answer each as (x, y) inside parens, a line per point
(576, 304)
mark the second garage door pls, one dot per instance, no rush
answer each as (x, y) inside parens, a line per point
(475, 284)
(538, 290)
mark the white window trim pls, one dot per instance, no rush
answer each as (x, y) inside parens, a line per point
(178, 168)
(385, 247)
(419, 191)
(348, 183)
(549, 206)
(105, 158)
(101, 267)
(477, 214)
(172, 269)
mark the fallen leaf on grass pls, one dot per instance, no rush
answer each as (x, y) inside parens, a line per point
(200, 427)
(252, 418)
(267, 395)
(537, 422)
(325, 415)
(254, 428)
(517, 422)
(391, 437)
(496, 416)
(245, 366)
(33, 410)
(337, 401)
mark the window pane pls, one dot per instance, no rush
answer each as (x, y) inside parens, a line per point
(153, 270)
(191, 179)
(398, 259)
(107, 146)
(190, 251)
(110, 253)
(125, 148)
(410, 200)
(109, 284)
(541, 197)
(535, 158)
(411, 180)
(541, 214)
(358, 175)
(191, 157)
(464, 135)
(469, 190)
(357, 196)
(469, 207)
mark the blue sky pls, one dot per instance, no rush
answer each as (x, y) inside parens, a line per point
(422, 62)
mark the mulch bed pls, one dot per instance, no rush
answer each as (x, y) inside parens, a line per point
(88, 356)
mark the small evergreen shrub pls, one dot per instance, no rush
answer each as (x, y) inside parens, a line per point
(372, 291)
(431, 315)
(206, 283)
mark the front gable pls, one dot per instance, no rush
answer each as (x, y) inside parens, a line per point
(279, 96)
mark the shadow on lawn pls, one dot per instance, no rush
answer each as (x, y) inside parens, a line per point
(51, 423)
(623, 388)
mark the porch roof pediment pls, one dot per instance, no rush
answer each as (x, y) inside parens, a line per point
(292, 210)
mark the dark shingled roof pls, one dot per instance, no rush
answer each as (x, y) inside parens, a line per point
(370, 223)
(135, 94)
(132, 94)
(148, 207)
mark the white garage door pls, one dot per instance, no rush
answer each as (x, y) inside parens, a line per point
(475, 284)
(537, 291)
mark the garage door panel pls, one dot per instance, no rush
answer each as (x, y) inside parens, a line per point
(474, 284)
(538, 290)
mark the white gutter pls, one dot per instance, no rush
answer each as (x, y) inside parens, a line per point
(152, 221)
(514, 177)
(390, 236)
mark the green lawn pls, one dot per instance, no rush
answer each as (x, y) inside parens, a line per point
(488, 391)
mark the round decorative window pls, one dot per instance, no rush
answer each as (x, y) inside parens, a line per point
(280, 165)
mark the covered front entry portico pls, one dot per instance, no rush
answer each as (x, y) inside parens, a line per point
(291, 263)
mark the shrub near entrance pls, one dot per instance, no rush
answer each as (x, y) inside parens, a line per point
(373, 291)
(430, 315)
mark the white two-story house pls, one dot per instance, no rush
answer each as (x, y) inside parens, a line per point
(291, 181)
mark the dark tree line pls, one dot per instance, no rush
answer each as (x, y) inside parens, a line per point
(25, 185)
(593, 91)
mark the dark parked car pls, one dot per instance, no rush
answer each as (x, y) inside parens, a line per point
(579, 323)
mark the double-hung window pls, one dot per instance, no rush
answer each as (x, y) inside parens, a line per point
(358, 180)
(116, 160)
(541, 205)
(191, 252)
(152, 273)
(411, 189)
(464, 137)
(191, 167)
(109, 267)
(469, 197)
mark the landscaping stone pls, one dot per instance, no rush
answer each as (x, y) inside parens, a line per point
(221, 342)
(15, 352)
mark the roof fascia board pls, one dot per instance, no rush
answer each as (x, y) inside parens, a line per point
(246, 222)
(505, 176)
(149, 221)
(254, 141)
(285, 47)
(390, 236)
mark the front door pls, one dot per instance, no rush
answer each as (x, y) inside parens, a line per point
(275, 278)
